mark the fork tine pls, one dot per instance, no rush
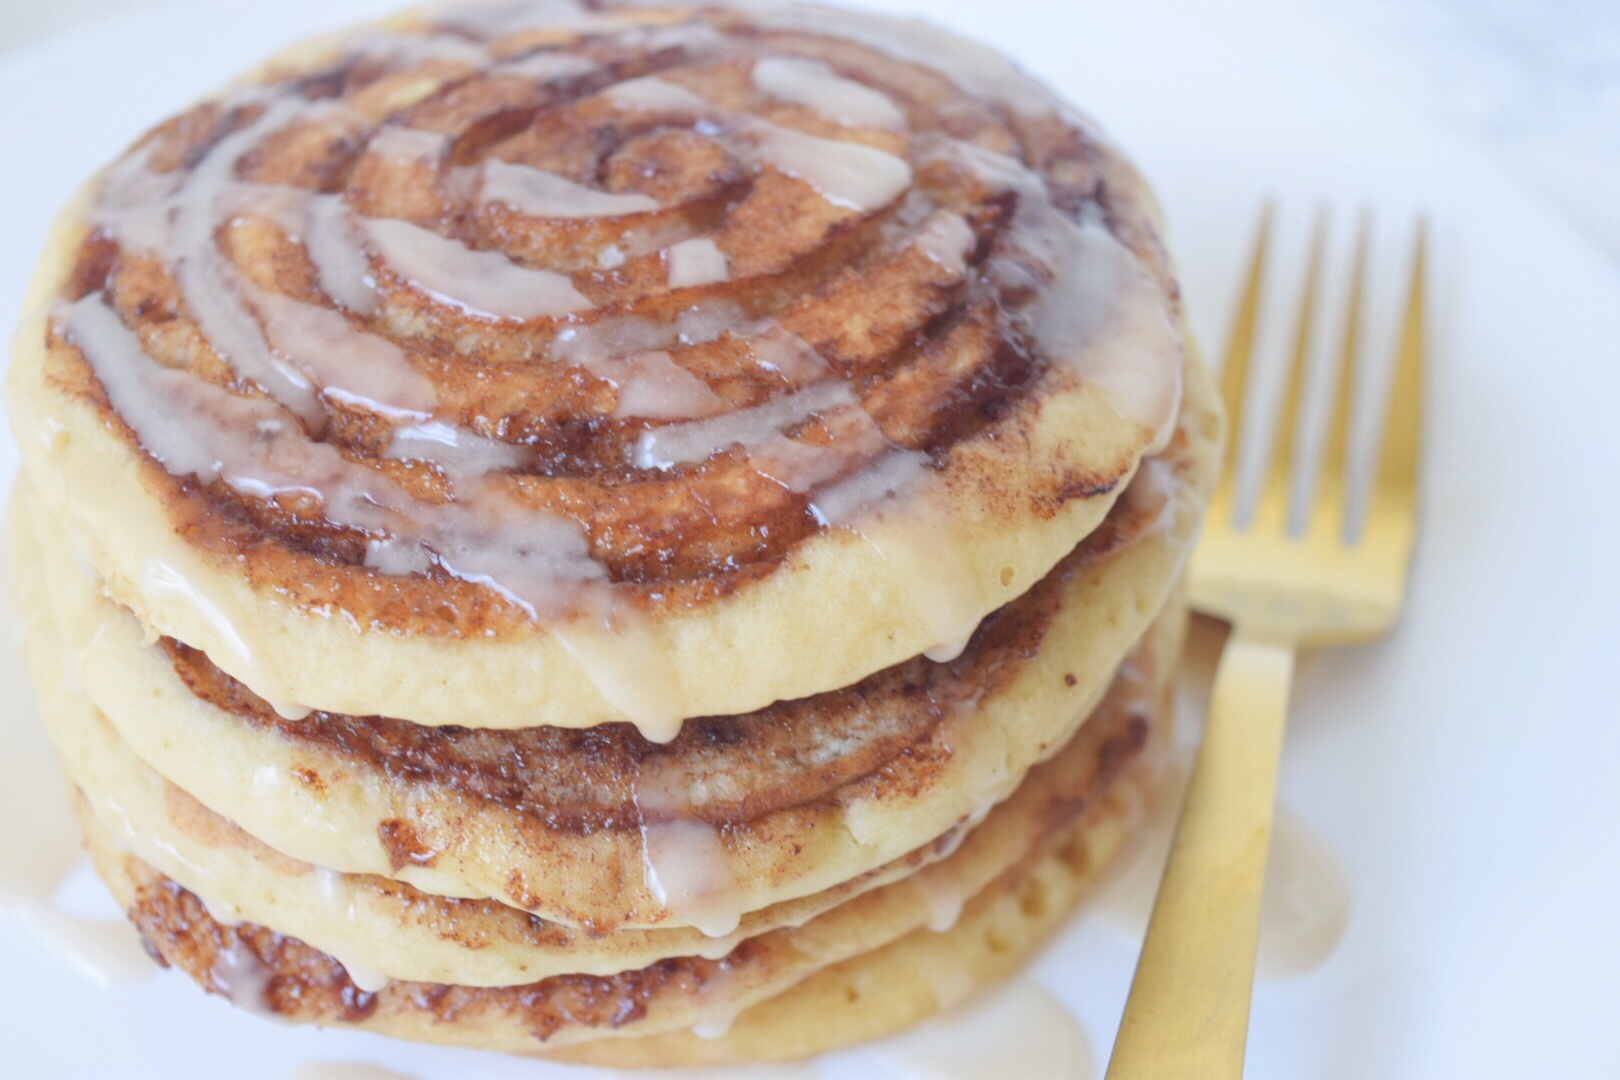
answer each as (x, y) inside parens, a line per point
(1240, 345)
(1398, 461)
(1332, 501)
(1274, 495)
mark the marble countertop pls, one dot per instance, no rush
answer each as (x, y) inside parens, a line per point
(1536, 82)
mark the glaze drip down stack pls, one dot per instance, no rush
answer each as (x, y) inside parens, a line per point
(640, 536)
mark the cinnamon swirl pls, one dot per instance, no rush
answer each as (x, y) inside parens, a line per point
(571, 527)
(587, 366)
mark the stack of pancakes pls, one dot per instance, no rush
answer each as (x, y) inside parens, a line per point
(636, 536)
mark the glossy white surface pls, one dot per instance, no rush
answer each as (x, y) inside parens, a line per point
(1459, 772)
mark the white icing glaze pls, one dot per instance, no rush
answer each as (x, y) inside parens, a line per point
(945, 899)
(345, 1070)
(1096, 308)
(854, 478)
(852, 175)
(975, 68)
(947, 239)
(698, 261)
(1106, 315)
(151, 848)
(193, 427)
(545, 67)
(337, 892)
(664, 448)
(295, 354)
(268, 780)
(1011, 1032)
(628, 350)
(1015, 1030)
(320, 222)
(687, 870)
(714, 1029)
(897, 506)
(685, 860)
(594, 345)
(694, 38)
(239, 975)
(775, 349)
(717, 948)
(631, 353)
(307, 357)
(652, 94)
(108, 952)
(351, 367)
(482, 283)
(459, 453)
(537, 560)
(548, 195)
(813, 84)
(334, 888)
(136, 204)
(1303, 911)
(656, 388)
(1154, 491)
(340, 262)
(1306, 904)
(938, 575)
(407, 146)
(161, 579)
(35, 861)
(628, 662)
(210, 283)
(42, 862)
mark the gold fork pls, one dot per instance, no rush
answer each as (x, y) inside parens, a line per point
(1188, 1012)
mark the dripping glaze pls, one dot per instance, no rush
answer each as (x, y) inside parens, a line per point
(860, 482)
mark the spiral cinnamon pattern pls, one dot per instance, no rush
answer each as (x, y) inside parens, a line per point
(484, 322)
(561, 527)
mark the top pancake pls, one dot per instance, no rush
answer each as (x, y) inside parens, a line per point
(651, 365)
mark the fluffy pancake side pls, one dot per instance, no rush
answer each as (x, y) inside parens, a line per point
(397, 819)
(381, 930)
(640, 1018)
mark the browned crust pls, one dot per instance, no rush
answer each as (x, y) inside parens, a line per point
(743, 768)
(936, 362)
(302, 984)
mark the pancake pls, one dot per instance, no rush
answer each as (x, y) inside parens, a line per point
(804, 796)
(636, 535)
(662, 364)
(922, 974)
(381, 930)
(806, 1006)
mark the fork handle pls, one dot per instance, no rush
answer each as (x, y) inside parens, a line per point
(1188, 1012)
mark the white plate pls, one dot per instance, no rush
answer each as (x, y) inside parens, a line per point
(1459, 770)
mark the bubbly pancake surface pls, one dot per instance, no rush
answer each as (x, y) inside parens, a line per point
(671, 343)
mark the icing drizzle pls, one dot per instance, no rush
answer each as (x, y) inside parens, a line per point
(295, 362)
